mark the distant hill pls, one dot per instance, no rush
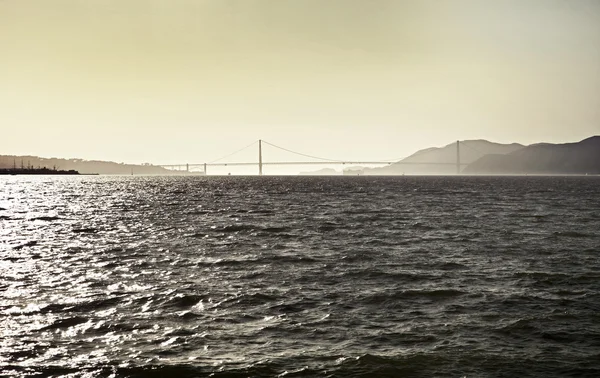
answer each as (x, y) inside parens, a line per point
(82, 166)
(569, 158)
(470, 151)
(322, 172)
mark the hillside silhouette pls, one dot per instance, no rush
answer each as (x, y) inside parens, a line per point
(470, 151)
(81, 166)
(321, 172)
(544, 158)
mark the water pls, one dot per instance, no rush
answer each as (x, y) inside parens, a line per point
(296, 276)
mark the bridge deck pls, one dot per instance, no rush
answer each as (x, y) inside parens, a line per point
(196, 165)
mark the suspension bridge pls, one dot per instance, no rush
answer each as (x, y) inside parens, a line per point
(202, 168)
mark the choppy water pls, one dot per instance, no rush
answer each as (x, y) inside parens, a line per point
(292, 276)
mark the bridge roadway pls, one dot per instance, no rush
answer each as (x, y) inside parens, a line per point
(196, 165)
(260, 163)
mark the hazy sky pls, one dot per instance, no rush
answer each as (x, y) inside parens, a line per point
(190, 80)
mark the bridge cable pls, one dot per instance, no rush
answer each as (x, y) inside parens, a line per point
(419, 153)
(301, 154)
(233, 153)
(473, 148)
(395, 160)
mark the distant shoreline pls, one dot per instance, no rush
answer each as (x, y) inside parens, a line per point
(36, 171)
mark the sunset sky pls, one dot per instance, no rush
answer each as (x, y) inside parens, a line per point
(169, 81)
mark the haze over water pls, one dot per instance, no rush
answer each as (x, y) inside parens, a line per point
(300, 276)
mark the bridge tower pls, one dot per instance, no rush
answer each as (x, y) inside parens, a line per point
(260, 157)
(458, 157)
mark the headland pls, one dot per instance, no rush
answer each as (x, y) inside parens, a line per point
(36, 171)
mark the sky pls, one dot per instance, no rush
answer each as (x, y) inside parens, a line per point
(175, 81)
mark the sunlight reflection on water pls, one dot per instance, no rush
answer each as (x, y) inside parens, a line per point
(259, 276)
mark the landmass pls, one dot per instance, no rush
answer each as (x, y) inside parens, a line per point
(476, 156)
(321, 172)
(433, 160)
(442, 160)
(82, 166)
(578, 158)
(36, 171)
(482, 157)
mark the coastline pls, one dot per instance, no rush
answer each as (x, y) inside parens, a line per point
(35, 171)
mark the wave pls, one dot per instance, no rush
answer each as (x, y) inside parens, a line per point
(396, 298)
(184, 300)
(84, 307)
(30, 243)
(85, 230)
(48, 218)
(557, 279)
(573, 234)
(382, 275)
(65, 323)
(245, 228)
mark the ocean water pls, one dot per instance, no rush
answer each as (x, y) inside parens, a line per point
(300, 277)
